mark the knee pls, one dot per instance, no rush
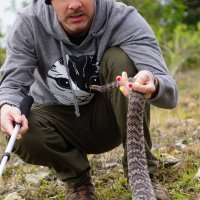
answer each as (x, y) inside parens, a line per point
(116, 59)
(29, 148)
(116, 54)
(34, 139)
(32, 145)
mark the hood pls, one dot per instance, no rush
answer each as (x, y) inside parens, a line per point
(49, 21)
(48, 18)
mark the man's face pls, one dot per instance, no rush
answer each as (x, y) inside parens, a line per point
(75, 16)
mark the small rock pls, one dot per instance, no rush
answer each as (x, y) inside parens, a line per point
(13, 196)
(180, 144)
(36, 177)
(197, 176)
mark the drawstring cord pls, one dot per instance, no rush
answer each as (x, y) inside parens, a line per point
(65, 60)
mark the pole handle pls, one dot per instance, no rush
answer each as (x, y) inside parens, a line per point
(26, 104)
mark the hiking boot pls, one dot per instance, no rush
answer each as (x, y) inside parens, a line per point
(85, 191)
(160, 191)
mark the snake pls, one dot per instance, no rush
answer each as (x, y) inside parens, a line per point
(138, 176)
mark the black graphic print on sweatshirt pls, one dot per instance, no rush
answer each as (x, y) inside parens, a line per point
(83, 71)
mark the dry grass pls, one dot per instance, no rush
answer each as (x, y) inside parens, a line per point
(175, 136)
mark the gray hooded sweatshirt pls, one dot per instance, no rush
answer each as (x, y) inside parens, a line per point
(43, 62)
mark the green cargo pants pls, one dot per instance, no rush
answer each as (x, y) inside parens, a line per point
(60, 140)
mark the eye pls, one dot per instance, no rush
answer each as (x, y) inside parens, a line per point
(63, 82)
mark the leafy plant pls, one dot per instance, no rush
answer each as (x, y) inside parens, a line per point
(182, 46)
(2, 56)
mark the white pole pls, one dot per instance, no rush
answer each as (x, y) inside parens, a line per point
(25, 109)
(9, 148)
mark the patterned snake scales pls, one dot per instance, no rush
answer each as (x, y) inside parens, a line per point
(139, 180)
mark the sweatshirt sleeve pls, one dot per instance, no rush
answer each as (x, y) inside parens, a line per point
(18, 68)
(133, 34)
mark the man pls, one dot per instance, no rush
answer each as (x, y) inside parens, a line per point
(56, 50)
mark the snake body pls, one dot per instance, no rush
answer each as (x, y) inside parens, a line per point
(139, 179)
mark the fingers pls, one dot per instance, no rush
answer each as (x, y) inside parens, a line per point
(124, 83)
(24, 125)
(9, 117)
(8, 129)
(143, 82)
(143, 88)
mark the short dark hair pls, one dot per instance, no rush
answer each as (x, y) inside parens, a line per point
(48, 2)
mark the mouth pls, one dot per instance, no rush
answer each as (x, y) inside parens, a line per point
(77, 17)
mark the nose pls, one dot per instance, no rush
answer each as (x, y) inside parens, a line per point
(75, 4)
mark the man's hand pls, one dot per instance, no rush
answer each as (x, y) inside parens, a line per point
(142, 82)
(9, 117)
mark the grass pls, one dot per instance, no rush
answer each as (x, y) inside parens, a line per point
(175, 136)
(178, 135)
